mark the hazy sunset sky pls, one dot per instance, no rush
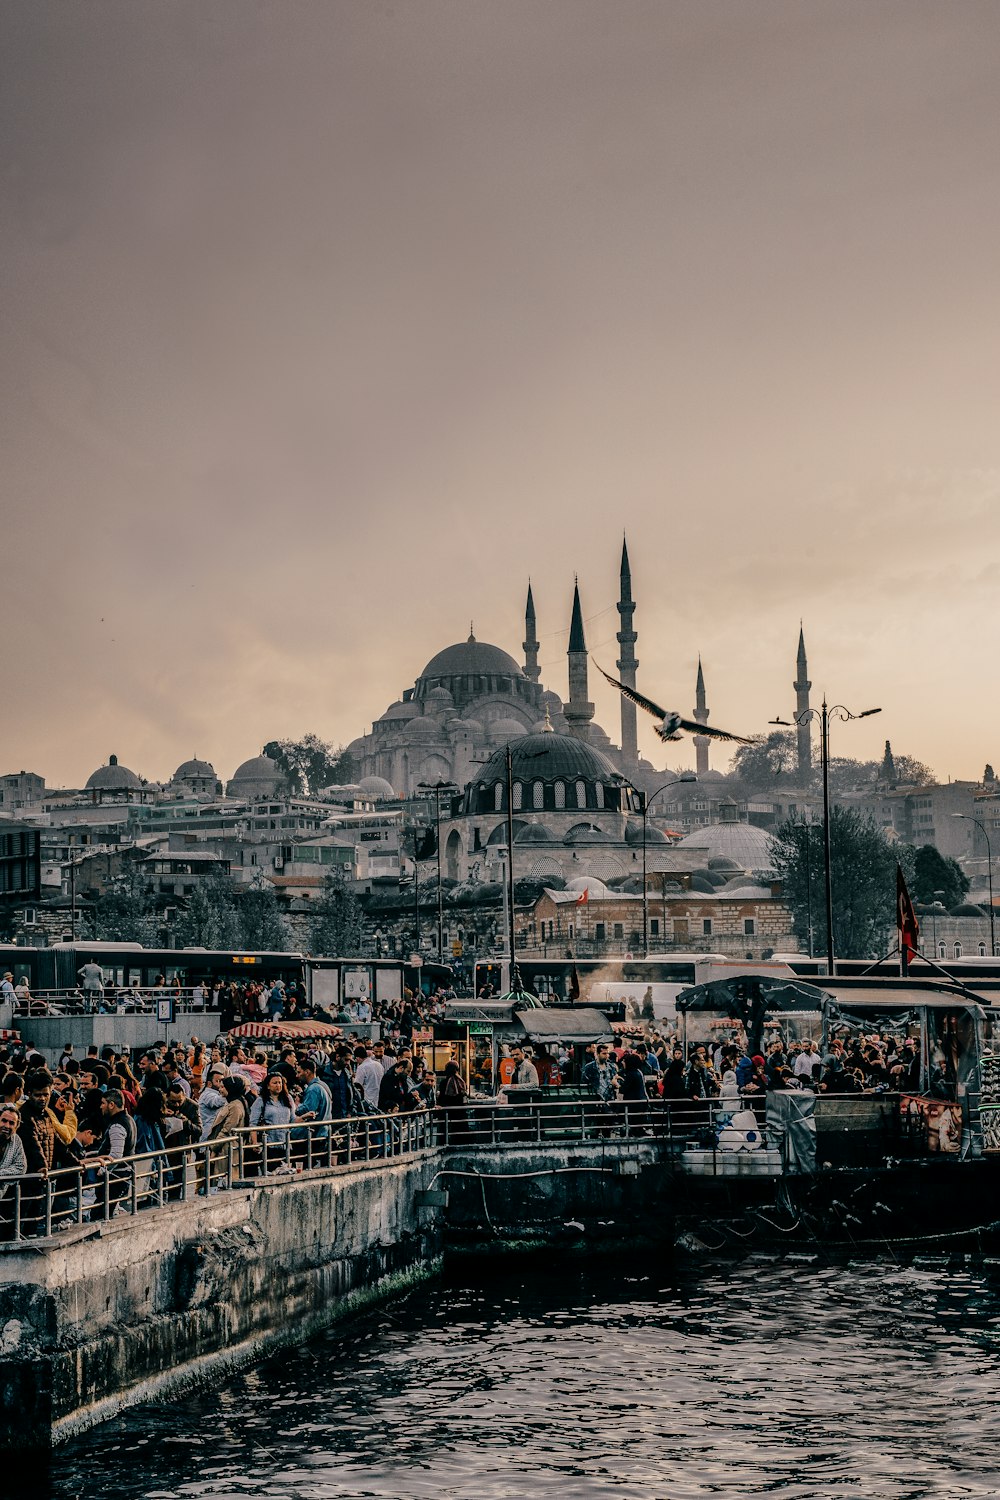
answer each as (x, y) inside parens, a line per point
(326, 324)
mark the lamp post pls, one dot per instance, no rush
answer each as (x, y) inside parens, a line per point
(968, 818)
(825, 714)
(437, 787)
(685, 776)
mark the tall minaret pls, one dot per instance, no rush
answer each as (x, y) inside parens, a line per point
(803, 733)
(578, 711)
(701, 741)
(627, 661)
(530, 642)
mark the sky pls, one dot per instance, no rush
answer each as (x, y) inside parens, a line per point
(327, 323)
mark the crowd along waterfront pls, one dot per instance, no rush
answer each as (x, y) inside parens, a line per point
(137, 1264)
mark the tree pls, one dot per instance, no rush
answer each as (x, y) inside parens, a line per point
(766, 757)
(262, 928)
(309, 764)
(937, 878)
(863, 874)
(210, 920)
(337, 925)
(126, 911)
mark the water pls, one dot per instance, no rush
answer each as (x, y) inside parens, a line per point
(790, 1377)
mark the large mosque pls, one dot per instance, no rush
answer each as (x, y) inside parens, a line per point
(472, 698)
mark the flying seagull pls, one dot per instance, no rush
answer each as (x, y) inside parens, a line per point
(671, 722)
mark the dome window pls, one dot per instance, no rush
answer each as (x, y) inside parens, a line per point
(498, 796)
(560, 795)
(599, 789)
(518, 796)
(538, 795)
(581, 794)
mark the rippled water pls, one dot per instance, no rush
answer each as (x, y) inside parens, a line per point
(790, 1377)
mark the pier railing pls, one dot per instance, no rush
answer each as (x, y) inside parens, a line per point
(36, 1206)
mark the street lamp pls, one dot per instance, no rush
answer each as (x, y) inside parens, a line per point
(686, 776)
(825, 714)
(437, 787)
(967, 817)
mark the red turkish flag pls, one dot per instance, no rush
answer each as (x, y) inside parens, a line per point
(906, 921)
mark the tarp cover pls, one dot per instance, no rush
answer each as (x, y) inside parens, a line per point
(290, 1031)
(578, 1024)
(780, 995)
(791, 1126)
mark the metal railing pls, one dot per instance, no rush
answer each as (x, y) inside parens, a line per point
(110, 1000)
(36, 1206)
(676, 1122)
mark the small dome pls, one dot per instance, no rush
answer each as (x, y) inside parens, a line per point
(440, 697)
(376, 788)
(748, 847)
(507, 729)
(474, 726)
(587, 833)
(400, 711)
(746, 890)
(702, 884)
(722, 862)
(588, 883)
(195, 770)
(257, 777)
(633, 833)
(424, 729)
(967, 909)
(535, 833)
(113, 778)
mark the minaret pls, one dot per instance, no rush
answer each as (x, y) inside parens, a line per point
(577, 712)
(701, 741)
(530, 642)
(803, 733)
(627, 661)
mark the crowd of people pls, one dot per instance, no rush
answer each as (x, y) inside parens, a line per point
(90, 1113)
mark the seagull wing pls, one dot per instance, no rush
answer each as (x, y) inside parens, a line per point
(646, 703)
(714, 734)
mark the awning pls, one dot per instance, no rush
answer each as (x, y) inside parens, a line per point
(287, 1031)
(577, 1025)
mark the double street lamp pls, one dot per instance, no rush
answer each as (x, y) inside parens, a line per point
(685, 776)
(824, 715)
(968, 818)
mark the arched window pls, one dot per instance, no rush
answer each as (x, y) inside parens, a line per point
(538, 795)
(958, 950)
(599, 789)
(518, 796)
(982, 950)
(498, 796)
(560, 794)
(942, 951)
(581, 794)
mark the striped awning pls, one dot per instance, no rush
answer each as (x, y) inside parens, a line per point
(287, 1031)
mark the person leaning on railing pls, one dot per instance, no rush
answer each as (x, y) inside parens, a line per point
(13, 1165)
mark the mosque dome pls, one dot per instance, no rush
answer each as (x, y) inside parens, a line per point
(548, 757)
(469, 658)
(747, 847)
(590, 884)
(113, 778)
(507, 729)
(195, 770)
(400, 711)
(587, 833)
(535, 833)
(423, 729)
(440, 698)
(633, 833)
(258, 777)
(375, 788)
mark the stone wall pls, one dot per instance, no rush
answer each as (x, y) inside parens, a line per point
(109, 1315)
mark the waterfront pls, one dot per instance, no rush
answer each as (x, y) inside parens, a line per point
(788, 1376)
